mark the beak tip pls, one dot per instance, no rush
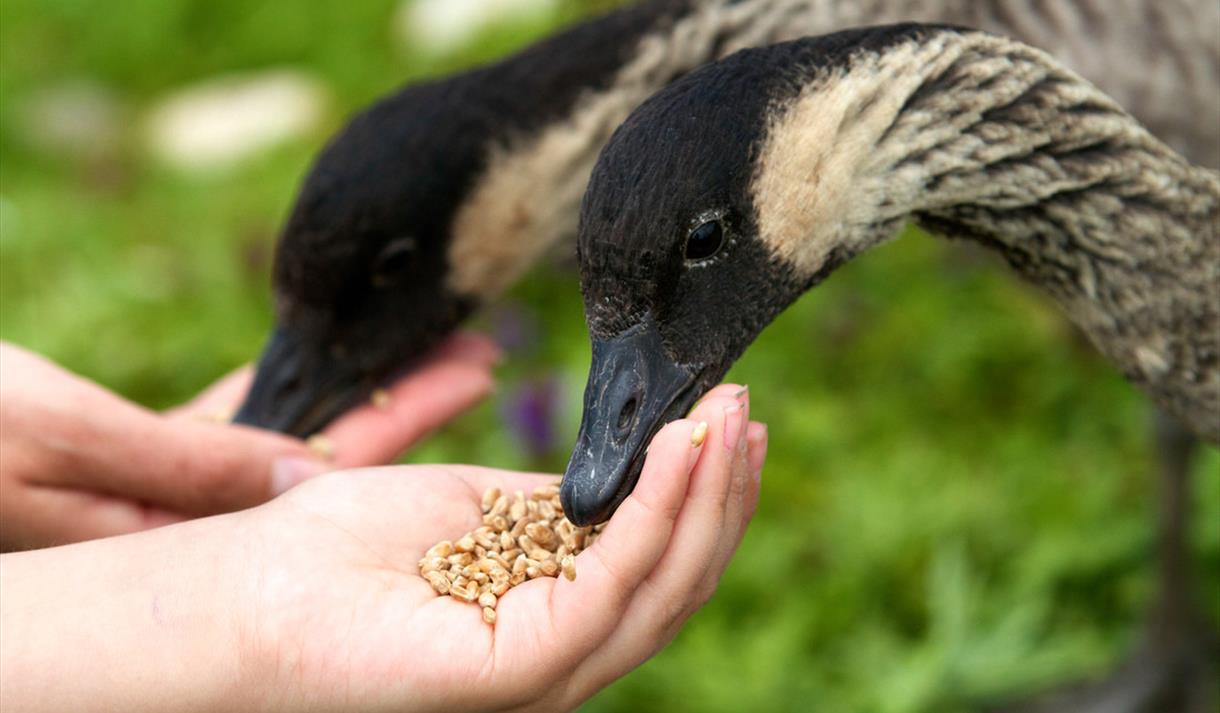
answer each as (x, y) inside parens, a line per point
(580, 511)
(299, 387)
(245, 415)
(259, 410)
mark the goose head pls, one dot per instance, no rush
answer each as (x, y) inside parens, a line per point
(675, 276)
(429, 204)
(691, 241)
(359, 271)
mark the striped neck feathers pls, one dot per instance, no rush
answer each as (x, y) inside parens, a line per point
(977, 136)
(526, 196)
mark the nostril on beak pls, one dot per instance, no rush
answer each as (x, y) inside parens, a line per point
(626, 417)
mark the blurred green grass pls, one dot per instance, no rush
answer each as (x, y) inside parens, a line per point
(959, 498)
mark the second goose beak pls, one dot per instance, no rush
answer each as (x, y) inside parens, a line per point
(634, 389)
(300, 387)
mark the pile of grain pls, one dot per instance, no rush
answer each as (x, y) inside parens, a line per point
(521, 538)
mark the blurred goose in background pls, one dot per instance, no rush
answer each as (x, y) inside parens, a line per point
(437, 198)
(726, 196)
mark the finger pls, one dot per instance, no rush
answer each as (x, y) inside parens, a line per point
(735, 504)
(93, 441)
(47, 517)
(737, 519)
(732, 391)
(470, 346)
(703, 524)
(191, 467)
(671, 593)
(216, 468)
(104, 444)
(584, 612)
(219, 401)
(736, 440)
(742, 492)
(757, 439)
(454, 378)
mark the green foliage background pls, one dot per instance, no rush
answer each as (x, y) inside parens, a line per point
(959, 500)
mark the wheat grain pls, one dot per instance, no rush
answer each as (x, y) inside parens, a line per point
(522, 538)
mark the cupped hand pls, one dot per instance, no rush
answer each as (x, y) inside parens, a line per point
(343, 619)
(80, 462)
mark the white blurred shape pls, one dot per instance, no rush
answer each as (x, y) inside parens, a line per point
(221, 121)
(437, 26)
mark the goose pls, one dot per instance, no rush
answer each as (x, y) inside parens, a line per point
(739, 187)
(437, 198)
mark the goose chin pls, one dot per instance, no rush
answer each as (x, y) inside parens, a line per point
(634, 389)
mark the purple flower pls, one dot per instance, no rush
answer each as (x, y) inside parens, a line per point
(531, 410)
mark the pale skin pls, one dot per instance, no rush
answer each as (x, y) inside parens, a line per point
(79, 462)
(313, 601)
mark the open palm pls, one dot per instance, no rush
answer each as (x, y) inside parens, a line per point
(339, 599)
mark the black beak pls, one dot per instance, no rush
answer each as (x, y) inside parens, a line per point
(301, 386)
(634, 389)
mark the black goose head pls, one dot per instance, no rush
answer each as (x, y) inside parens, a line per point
(359, 273)
(678, 276)
(675, 282)
(362, 278)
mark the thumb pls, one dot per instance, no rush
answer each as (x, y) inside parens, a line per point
(224, 467)
(201, 468)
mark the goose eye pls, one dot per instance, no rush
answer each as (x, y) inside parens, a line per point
(390, 265)
(704, 241)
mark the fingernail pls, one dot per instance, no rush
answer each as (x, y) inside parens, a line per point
(741, 394)
(733, 417)
(287, 473)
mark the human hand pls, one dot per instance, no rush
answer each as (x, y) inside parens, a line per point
(313, 601)
(81, 463)
(347, 621)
